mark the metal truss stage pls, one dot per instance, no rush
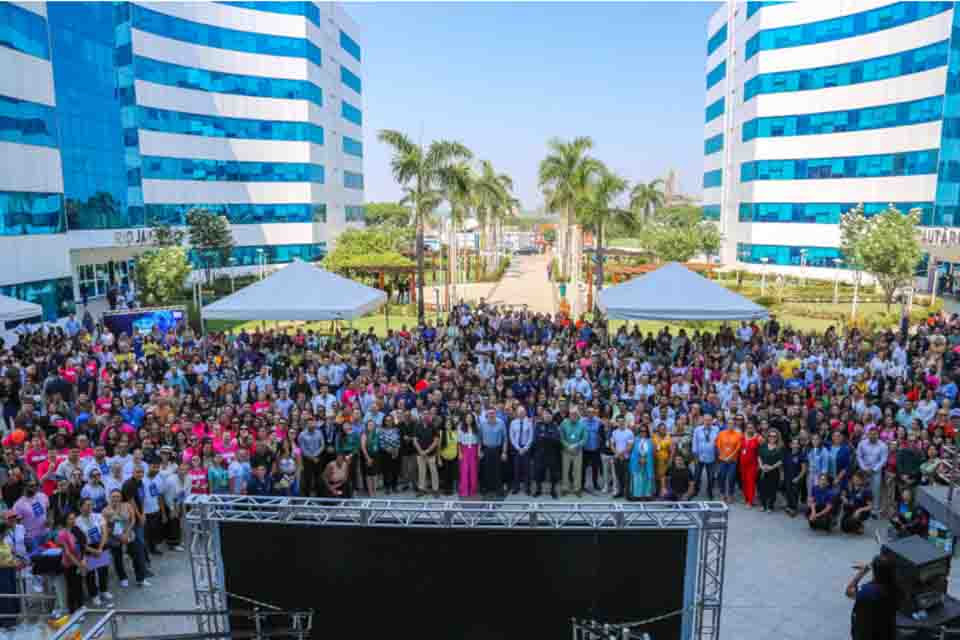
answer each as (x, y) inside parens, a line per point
(705, 522)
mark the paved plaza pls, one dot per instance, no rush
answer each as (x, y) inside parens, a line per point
(782, 581)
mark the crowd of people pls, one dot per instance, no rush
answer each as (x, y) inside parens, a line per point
(106, 435)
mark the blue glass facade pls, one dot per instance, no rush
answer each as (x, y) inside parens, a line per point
(248, 256)
(349, 45)
(717, 74)
(239, 213)
(873, 166)
(55, 296)
(27, 213)
(849, 26)
(160, 168)
(717, 39)
(352, 180)
(819, 212)
(350, 79)
(174, 75)
(127, 91)
(24, 122)
(842, 75)
(355, 213)
(351, 113)
(713, 178)
(711, 212)
(788, 255)
(88, 115)
(715, 110)
(24, 31)
(219, 127)
(713, 144)
(880, 117)
(352, 147)
(222, 38)
(947, 210)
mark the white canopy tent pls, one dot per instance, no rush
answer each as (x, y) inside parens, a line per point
(673, 292)
(12, 310)
(299, 291)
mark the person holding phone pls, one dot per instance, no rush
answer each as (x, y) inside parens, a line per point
(874, 614)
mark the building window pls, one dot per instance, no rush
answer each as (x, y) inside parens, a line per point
(352, 180)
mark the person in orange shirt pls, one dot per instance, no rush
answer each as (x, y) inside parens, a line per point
(729, 443)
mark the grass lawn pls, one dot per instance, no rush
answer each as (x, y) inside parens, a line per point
(377, 321)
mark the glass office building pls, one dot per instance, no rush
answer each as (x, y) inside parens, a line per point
(116, 116)
(814, 107)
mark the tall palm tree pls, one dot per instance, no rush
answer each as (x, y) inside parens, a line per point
(599, 209)
(458, 185)
(423, 171)
(493, 198)
(566, 172)
(646, 198)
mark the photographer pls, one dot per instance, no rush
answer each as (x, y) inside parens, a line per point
(875, 604)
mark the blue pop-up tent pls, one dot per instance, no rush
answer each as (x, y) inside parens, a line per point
(674, 292)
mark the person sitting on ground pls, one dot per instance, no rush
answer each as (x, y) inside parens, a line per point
(857, 503)
(822, 504)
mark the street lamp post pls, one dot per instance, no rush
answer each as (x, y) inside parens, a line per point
(803, 264)
(763, 277)
(836, 279)
(233, 275)
(261, 263)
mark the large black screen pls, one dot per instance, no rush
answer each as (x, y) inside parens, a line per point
(441, 584)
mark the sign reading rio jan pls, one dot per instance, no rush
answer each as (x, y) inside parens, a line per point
(133, 237)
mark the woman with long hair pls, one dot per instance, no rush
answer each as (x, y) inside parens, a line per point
(749, 462)
(771, 469)
(468, 441)
(370, 456)
(448, 456)
(642, 480)
(390, 454)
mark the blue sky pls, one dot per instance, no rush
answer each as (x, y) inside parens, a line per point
(503, 78)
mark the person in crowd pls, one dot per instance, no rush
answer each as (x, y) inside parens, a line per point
(874, 614)
(468, 456)
(678, 484)
(72, 560)
(447, 457)
(573, 435)
(336, 478)
(729, 445)
(548, 454)
(750, 463)
(522, 433)
(493, 438)
(794, 476)
(871, 458)
(857, 502)
(822, 504)
(93, 532)
(771, 469)
(370, 456)
(705, 454)
(642, 478)
(426, 443)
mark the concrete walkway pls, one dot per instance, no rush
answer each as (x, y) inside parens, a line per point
(525, 282)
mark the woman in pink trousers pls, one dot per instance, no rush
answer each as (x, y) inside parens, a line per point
(469, 456)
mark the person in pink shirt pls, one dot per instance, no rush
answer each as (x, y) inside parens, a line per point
(262, 404)
(32, 509)
(199, 482)
(226, 446)
(36, 453)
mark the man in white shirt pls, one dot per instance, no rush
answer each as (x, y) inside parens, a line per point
(621, 441)
(154, 507)
(176, 488)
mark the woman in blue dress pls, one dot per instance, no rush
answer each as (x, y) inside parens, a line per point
(642, 482)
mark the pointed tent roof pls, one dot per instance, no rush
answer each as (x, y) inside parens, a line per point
(673, 292)
(12, 309)
(299, 291)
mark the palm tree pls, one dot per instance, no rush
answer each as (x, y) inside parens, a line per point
(423, 172)
(646, 198)
(458, 185)
(598, 210)
(566, 172)
(493, 198)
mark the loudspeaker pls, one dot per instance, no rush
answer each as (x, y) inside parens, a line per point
(920, 573)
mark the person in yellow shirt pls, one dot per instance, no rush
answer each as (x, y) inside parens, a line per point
(449, 450)
(662, 452)
(788, 365)
(729, 443)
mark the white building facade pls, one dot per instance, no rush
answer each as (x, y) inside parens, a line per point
(120, 116)
(815, 107)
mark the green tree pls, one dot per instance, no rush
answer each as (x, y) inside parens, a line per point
(374, 246)
(494, 202)
(392, 213)
(423, 172)
(563, 177)
(884, 245)
(599, 210)
(646, 199)
(161, 275)
(210, 237)
(676, 234)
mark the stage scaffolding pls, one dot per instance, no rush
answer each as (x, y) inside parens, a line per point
(707, 519)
